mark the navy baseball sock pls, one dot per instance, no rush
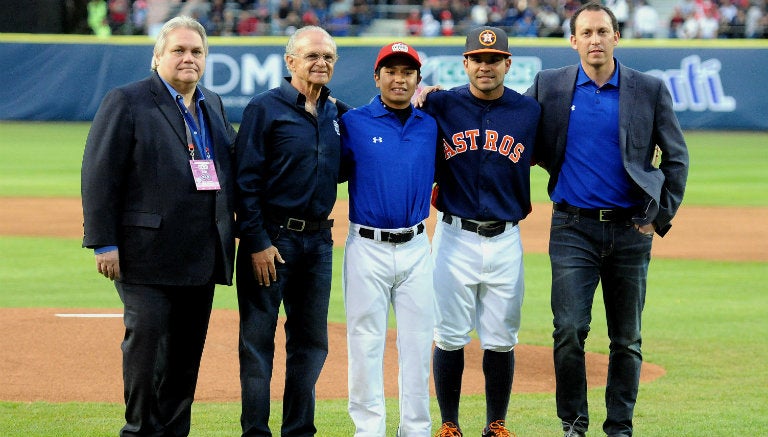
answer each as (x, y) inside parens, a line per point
(499, 369)
(448, 367)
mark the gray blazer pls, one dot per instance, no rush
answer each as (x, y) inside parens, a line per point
(138, 192)
(646, 119)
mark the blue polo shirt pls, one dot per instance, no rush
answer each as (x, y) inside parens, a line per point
(391, 165)
(593, 174)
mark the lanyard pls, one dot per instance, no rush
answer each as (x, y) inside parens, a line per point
(199, 136)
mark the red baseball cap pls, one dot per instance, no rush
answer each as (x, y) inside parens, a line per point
(397, 49)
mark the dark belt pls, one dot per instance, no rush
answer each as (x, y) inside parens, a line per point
(392, 237)
(301, 225)
(485, 230)
(602, 215)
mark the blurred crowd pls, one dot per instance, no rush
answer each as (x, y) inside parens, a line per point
(523, 18)
(719, 19)
(232, 17)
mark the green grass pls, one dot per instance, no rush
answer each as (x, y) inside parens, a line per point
(704, 321)
(727, 169)
(43, 160)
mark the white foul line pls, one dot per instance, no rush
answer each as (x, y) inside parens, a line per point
(89, 315)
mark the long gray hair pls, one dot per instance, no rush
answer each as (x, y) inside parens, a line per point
(171, 25)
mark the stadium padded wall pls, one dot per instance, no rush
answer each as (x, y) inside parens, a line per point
(715, 84)
(43, 16)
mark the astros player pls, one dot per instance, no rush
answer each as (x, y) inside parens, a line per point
(487, 133)
(388, 154)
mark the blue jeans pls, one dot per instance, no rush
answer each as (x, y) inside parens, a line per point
(303, 286)
(583, 252)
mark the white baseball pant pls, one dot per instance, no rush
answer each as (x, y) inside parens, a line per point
(478, 285)
(375, 275)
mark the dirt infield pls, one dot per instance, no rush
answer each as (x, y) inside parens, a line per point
(57, 357)
(721, 234)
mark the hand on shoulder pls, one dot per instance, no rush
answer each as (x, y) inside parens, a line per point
(422, 97)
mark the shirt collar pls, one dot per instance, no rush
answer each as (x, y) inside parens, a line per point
(294, 95)
(379, 109)
(583, 79)
(199, 97)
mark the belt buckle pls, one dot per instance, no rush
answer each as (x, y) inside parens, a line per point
(603, 213)
(300, 228)
(490, 231)
(400, 237)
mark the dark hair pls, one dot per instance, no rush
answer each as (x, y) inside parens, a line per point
(593, 6)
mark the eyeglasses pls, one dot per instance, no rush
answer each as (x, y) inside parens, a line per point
(328, 58)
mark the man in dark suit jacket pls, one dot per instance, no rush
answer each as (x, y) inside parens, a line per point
(158, 204)
(618, 165)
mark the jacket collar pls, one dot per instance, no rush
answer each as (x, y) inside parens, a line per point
(167, 106)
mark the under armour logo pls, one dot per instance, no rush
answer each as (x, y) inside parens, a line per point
(573, 107)
(377, 140)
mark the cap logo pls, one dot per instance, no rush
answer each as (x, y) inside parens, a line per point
(399, 47)
(487, 38)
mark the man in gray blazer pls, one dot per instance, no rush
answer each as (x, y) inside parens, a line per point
(158, 204)
(618, 165)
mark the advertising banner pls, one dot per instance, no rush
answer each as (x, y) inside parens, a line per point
(712, 87)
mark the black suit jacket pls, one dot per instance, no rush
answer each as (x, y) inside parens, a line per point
(138, 192)
(646, 119)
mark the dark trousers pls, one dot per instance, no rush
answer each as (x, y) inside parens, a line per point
(165, 329)
(583, 252)
(303, 286)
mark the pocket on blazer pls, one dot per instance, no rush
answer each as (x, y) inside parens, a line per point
(142, 219)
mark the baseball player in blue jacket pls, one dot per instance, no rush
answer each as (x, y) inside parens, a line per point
(487, 133)
(388, 154)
